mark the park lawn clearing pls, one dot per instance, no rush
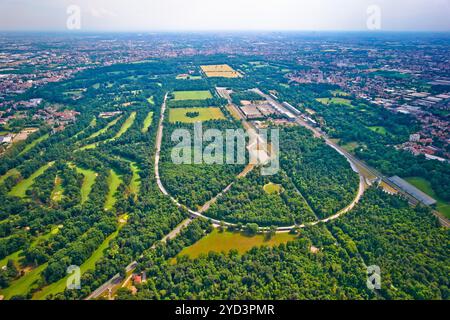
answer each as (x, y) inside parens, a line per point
(192, 95)
(22, 285)
(103, 130)
(351, 146)
(128, 123)
(329, 101)
(10, 173)
(151, 100)
(147, 122)
(226, 241)
(135, 184)
(58, 191)
(34, 143)
(114, 181)
(88, 265)
(88, 182)
(16, 255)
(423, 185)
(378, 129)
(20, 189)
(273, 188)
(204, 114)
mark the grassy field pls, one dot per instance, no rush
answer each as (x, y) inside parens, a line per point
(23, 284)
(106, 128)
(58, 191)
(88, 182)
(423, 185)
(351, 146)
(16, 255)
(127, 125)
(226, 241)
(34, 143)
(328, 101)
(135, 184)
(205, 114)
(20, 189)
(114, 182)
(147, 122)
(8, 174)
(192, 95)
(378, 129)
(151, 100)
(272, 188)
(89, 264)
(339, 93)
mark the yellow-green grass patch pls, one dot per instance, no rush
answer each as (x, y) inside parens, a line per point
(147, 122)
(273, 188)
(350, 146)
(88, 182)
(425, 186)
(114, 181)
(10, 173)
(127, 124)
(34, 143)
(20, 189)
(328, 101)
(89, 264)
(226, 241)
(378, 129)
(204, 114)
(22, 285)
(106, 128)
(192, 95)
(151, 100)
(135, 184)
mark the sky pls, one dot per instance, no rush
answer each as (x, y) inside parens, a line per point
(210, 15)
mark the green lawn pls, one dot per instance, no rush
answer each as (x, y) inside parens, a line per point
(328, 101)
(12, 172)
(89, 264)
(272, 188)
(423, 185)
(20, 189)
(205, 114)
(22, 285)
(147, 122)
(34, 143)
(88, 182)
(192, 95)
(135, 184)
(103, 130)
(378, 129)
(226, 241)
(351, 146)
(114, 182)
(127, 124)
(151, 100)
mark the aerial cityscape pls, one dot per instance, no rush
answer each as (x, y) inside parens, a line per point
(224, 165)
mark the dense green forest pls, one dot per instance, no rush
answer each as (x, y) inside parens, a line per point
(383, 230)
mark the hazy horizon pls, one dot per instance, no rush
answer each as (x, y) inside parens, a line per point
(235, 15)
